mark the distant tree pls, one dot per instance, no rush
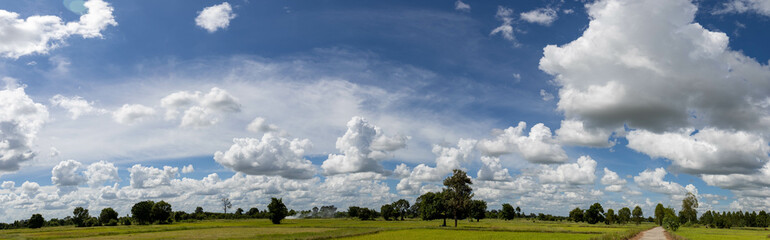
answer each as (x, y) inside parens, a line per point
(594, 214)
(161, 212)
(611, 217)
(689, 205)
(707, 219)
(277, 210)
(107, 215)
(239, 211)
(367, 214)
(660, 213)
(198, 210)
(226, 203)
(478, 209)
(253, 212)
(432, 206)
(458, 193)
(142, 212)
(79, 216)
(624, 215)
(576, 215)
(670, 221)
(353, 211)
(401, 207)
(518, 211)
(508, 211)
(388, 211)
(36, 221)
(763, 219)
(638, 215)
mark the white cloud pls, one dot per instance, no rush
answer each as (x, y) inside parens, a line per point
(538, 147)
(709, 150)
(132, 113)
(505, 15)
(20, 121)
(401, 171)
(447, 159)
(8, 184)
(101, 172)
(271, 156)
(215, 17)
(742, 6)
(200, 110)
(546, 96)
(542, 16)
(363, 146)
(76, 106)
(150, 177)
(188, 169)
(67, 173)
(573, 132)
(581, 173)
(678, 74)
(39, 34)
(260, 125)
(492, 170)
(612, 181)
(568, 11)
(461, 6)
(652, 180)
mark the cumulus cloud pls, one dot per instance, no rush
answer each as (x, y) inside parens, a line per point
(546, 96)
(542, 16)
(652, 180)
(76, 106)
(362, 147)
(537, 147)
(188, 169)
(709, 150)
(492, 170)
(199, 110)
(101, 172)
(505, 15)
(132, 113)
(66, 174)
(39, 34)
(260, 125)
(150, 177)
(20, 120)
(742, 6)
(677, 73)
(215, 17)
(573, 132)
(612, 181)
(447, 159)
(271, 156)
(461, 6)
(583, 172)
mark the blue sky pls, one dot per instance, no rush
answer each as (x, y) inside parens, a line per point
(626, 103)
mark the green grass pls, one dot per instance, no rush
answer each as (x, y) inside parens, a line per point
(722, 234)
(334, 228)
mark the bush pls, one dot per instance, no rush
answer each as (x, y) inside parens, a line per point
(125, 221)
(671, 223)
(112, 222)
(36, 221)
(107, 215)
(92, 222)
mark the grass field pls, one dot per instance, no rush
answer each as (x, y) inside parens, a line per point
(722, 234)
(335, 228)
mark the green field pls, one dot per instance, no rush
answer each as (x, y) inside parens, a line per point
(333, 228)
(722, 234)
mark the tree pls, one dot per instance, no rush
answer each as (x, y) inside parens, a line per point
(638, 215)
(161, 212)
(353, 211)
(611, 217)
(689, 204)
(253, 212)
(388, 211)
(594, 214)
(624, 215)
(478, 209)
(198, 210)
(277, 210)
(670, 221)
(239, 211)
(401, 207)
(660, 213)
(458, 193)
(508, 212)
(432, 206)
(79, 216)
(142, 212)
(107, 215)
(518, 211)
(226, 204)
(576, 214)
(763, 219)
(36, 221)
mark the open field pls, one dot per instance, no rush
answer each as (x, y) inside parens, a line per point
(722, 234)
(332, 228)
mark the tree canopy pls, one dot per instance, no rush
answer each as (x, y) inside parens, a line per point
(277, 210)
(458, 193)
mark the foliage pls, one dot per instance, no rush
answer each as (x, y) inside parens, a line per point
(107, 215)
(508, 212)
(353, 211)
(478, 209)
(594, 214)
(660, 213)
(226, 204)
(253, 212)
(79, 216)
(670, 221)
(126, 221)
(388, 212)
(458, 193)
(576, 214)
(688, 212)
(610, 217)
(401, 207)
(624, 215)
(638, 216)
(36, 221)
(367, 214)
(142, 212)
(161, 212)
(277, 209)
(431, 206)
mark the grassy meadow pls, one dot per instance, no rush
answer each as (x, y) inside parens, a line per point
(698, 233)
(337, 228)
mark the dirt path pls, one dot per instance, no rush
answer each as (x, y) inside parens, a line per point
(656, 233)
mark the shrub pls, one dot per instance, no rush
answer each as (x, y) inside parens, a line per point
(36, 221)
(112, 222)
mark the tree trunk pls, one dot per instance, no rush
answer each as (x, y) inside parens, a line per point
(455, 221)
(444, 225)
(477, 220)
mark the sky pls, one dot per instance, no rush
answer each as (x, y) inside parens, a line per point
(548, 105)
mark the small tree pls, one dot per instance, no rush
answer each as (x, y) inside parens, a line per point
(226, 204)
(353, 211)
(624, 215)
(660, 213)
(432, 206)
(161, 212)
(239, 211)
(611, 217)
(518, 211)
(107, 215)
(388, 211)
(142, 212)
(253, 212)
(670, 221)
(638, 215)
(79, 216)
(401, 207)
(594, 214)
(458, 193)
(478, 209)
(36, 221)
(689, 204)
(278, 210)
(576, 214)
(508, 212)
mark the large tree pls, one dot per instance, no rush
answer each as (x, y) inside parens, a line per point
(79, 216)
(432, 206)
(401, 207)
(576, 214)
(36, 221)
(108, 214)
(478, 209)
(161, 212)
(388, 211)
(142, 212)
(458, 193)
(594, 214)
(277, 210)
(508, 212)
(638, 215)
(611, 217)
(689, 204)
(624, 215)
(660, 213)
